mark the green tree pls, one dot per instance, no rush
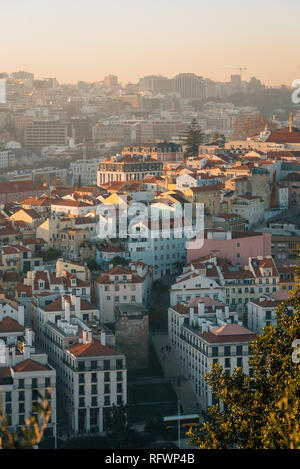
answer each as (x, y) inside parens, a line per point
(194, 137)
(50, 254)
(118, 260)
(261, 411)
(117, 425)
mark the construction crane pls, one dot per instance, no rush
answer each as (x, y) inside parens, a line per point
(235, 68)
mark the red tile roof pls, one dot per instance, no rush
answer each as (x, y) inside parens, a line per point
(30, 366)
(10, 325)
(284, 136)
(20, 186)
(94, 349)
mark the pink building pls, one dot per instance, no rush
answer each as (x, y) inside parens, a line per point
(236, 246)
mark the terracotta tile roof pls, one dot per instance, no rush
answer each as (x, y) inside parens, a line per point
(10, 325)
(209, 188)
(5, 371)
(70, 203)
(58, 305)
(228, 333)
(30, 366)
(94, 349)
(266, 302)
(263, 263)
(11, 276)
(120, 271)
(24, 288)
(15, 249)
(284, 136)
(20, 186)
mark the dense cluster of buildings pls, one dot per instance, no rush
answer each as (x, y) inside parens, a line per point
(79, 251)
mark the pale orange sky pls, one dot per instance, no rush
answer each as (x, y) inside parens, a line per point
(88, 39)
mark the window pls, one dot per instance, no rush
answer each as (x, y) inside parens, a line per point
(21, 384)
(81, 378)
(21, 396)
(81, 390)
(8, 396)
(34, 383)
(47, 382)
(8, 409)
(119, 400)
(227, 362)
(106, 377)
(227, 350)
(94, 388)
(106, 400)
(94, 401)
(21, 407)
(119, 376)
(106, 388)
(93, 364)
(21, 420)
(119, 364)
(239, 350)
(215, 351)
(94, 377)
(107, 364)
(81, 402)
(119, 388)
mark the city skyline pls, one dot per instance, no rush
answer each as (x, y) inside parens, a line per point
(72, 42)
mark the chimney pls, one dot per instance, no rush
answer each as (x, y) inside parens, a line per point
(77, 306)
(89, 337)
(67, 311)
(21, 315)
(28, 336)
(103, 338)
(200, 308)
(13, 356)
(191, 315)
(26, 352)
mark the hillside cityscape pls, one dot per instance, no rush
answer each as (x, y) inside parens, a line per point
(105, 324)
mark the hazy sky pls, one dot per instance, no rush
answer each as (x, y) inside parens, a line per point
(88, 39)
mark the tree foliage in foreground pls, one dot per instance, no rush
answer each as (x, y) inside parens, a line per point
(29, 435)
(261, 411)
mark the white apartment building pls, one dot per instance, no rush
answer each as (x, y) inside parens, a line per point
(71, 207)
(4, 158)
(249, 207)
(53, 309)
(262, 313)
(121, 285)
(91, 371)
(24, 372)
(204, 333)
(86, 170)
(127, 168)
(203, 279)
(159, 247)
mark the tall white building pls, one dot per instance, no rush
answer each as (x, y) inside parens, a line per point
(85, 171)
(91, 371)
(204, 332)
(25, 374)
